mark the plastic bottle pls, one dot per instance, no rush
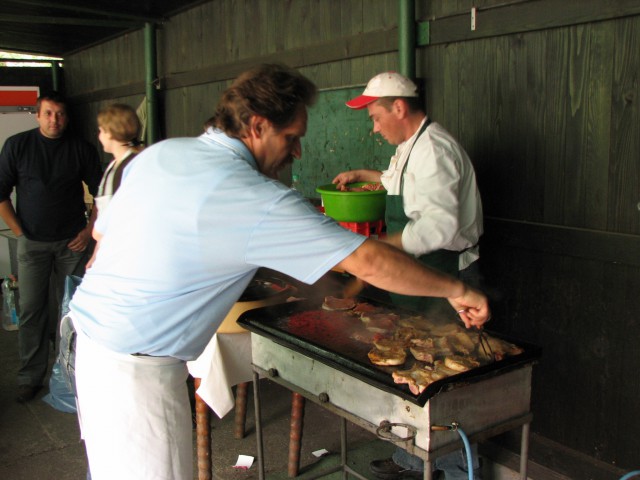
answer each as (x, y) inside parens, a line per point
(295, 182)
(9, 312)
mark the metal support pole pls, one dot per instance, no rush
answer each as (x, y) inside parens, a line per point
(151, 78)
(524, 450)
(258, 410)
(55, 75)
(407, 38)
(343, 447)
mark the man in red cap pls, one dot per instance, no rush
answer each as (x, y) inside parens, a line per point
(433, 212)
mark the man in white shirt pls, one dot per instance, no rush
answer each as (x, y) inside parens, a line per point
(433, 212)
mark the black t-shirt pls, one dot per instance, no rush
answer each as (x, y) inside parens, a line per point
(48, 174)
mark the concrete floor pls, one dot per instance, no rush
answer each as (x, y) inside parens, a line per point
(38, 442)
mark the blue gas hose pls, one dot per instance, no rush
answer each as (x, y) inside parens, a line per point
(630, 474)
(467, 448)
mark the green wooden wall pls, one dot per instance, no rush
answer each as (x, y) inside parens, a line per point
(338, 139)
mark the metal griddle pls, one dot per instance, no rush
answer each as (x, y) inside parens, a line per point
(350, 356)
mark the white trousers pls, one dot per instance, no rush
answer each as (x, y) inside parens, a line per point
(134, 414)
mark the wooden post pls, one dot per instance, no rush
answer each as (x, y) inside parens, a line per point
(241, 410)
(295, 434)
(203, 436)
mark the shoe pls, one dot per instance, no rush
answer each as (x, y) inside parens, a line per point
(26, 393)
(387, 469)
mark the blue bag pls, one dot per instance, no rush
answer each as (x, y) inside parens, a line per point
(71, 282)
(62, 392)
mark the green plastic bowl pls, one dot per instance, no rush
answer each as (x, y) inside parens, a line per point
(353, 206)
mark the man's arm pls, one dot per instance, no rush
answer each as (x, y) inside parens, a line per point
(352, 176)
(8, 182)
(97, 236)
(81, 241)
(92, 169)
(390, 269)
(8, 214)
(394, 239)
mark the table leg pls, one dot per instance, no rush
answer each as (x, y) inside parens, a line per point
(428, 472)
(295, 434)
(241, 410)
(203, 436)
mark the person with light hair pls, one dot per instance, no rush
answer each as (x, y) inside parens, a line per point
(118, 132)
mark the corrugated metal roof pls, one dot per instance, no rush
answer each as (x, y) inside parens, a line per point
(58, 28)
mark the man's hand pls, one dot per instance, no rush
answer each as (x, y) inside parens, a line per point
(79, 244)
(343, 179)
(472, 307)
(352, 176)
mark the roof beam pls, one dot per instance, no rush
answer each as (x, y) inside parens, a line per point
(89, 22)
(93, 11)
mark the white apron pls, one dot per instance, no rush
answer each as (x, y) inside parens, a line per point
(134, 414)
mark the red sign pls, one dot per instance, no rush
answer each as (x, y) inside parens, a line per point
(18, 96)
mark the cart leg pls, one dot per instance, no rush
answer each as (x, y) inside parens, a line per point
(428, 473)
(524, 451)
(343, 445)
(295, 434)
(203, 436)
(241, 410)
(256, 403)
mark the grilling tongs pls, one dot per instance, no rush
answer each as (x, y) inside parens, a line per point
(485, 346)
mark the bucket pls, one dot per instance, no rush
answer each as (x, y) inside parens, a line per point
(351, 206)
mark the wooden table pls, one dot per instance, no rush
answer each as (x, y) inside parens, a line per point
(225, 363)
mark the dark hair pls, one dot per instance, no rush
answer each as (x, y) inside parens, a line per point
(211, 122)
(122, 122)
(413, 103)
(51, 96)
(273, 91)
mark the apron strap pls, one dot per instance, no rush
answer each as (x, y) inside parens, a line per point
(117, 178)
(422, 130)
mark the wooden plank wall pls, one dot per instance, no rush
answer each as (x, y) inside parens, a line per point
(300, 33)
(543, 95)
(550, 119)
(108, 73)
(338, 139)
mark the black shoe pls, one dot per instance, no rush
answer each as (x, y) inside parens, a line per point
(26, 393)
(387, 469)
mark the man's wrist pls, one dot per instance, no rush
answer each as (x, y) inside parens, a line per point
(459, 288)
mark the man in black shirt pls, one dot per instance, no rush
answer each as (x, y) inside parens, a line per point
(46, 166)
